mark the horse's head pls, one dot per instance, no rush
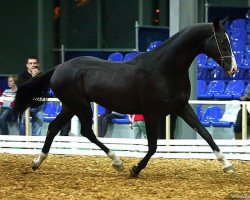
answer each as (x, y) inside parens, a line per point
(219, 48)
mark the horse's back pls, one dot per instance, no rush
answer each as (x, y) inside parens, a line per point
(99, 81)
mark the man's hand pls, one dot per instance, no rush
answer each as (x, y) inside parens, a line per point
(35, 72)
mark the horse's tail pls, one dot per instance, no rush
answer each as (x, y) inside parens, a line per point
(34, 89)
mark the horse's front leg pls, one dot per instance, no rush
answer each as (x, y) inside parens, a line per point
(152, 133)
(191, 119)
(54, 127)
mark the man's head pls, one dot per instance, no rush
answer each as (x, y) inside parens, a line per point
(32, 64)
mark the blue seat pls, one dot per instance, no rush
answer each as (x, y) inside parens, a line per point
(201, 60)
(101, 110)
(49, 112)
(201, 88)
(124, 120)
(246, 62)
(247, 48)
(130, 56)
(234, 90)
(239, 57)
(246, 89)
(199, 112)
(116, 56)
(214, 87)
(211, 64)
(216, 74)
(238, 24)
(212, 117)
(222, 124)
(153, 45)
(58, 109)
(238, 47)
(239, 36)
(248, 25)
(202, 73)
(212, 114)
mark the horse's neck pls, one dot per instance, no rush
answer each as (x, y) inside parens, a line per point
(178, 52)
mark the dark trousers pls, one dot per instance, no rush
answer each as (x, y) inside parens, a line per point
(5, 117)
(65, 130)
(162, 127)
(238, 123)
(105, 120)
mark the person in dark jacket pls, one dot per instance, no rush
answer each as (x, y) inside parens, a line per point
(36, 109)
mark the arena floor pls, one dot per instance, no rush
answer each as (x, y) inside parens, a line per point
(92, 177)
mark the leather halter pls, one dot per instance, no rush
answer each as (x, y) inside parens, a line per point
(222, 57)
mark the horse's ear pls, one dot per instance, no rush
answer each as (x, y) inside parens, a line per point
(216, 23)
(224, 21)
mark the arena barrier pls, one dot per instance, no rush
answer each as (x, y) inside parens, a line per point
(234, 149)
(68, 145)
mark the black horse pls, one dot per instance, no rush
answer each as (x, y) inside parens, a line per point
(154, 84)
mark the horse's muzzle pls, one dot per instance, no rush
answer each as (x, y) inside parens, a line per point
(232, 71)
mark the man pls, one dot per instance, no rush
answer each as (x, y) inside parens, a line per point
(36, 109)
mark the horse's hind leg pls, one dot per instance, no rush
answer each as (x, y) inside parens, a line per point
(54, 127)
(191, 119)
(85, 116)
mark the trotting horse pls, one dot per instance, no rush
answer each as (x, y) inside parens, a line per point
(154, 84)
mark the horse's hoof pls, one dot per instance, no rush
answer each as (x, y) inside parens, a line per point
(229, 169)
(133, 171)
(118, 168)
(34, 165)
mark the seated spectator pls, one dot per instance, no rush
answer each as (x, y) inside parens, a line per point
(105, 119)
(238, 123)
(138, 125)
(6, 105)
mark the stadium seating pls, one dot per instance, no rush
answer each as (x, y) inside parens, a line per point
(153, 45)
(202, 73)
(130, 56)
(211, 64)
(233, 90)
(238, 24)
(214, 87)
(216, 74)
(124, 120)
(49, 112)
(101, 110)
(202, 60)
(212, 114)
(116, 56)
(246, 89)
(201, 88)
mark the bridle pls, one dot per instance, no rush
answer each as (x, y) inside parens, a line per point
(222, 57)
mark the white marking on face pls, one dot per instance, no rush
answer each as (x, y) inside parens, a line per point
(233, 61)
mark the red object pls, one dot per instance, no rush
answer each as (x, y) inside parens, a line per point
(12, 104)
(136, 117)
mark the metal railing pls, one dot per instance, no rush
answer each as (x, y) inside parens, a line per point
(201, 102)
